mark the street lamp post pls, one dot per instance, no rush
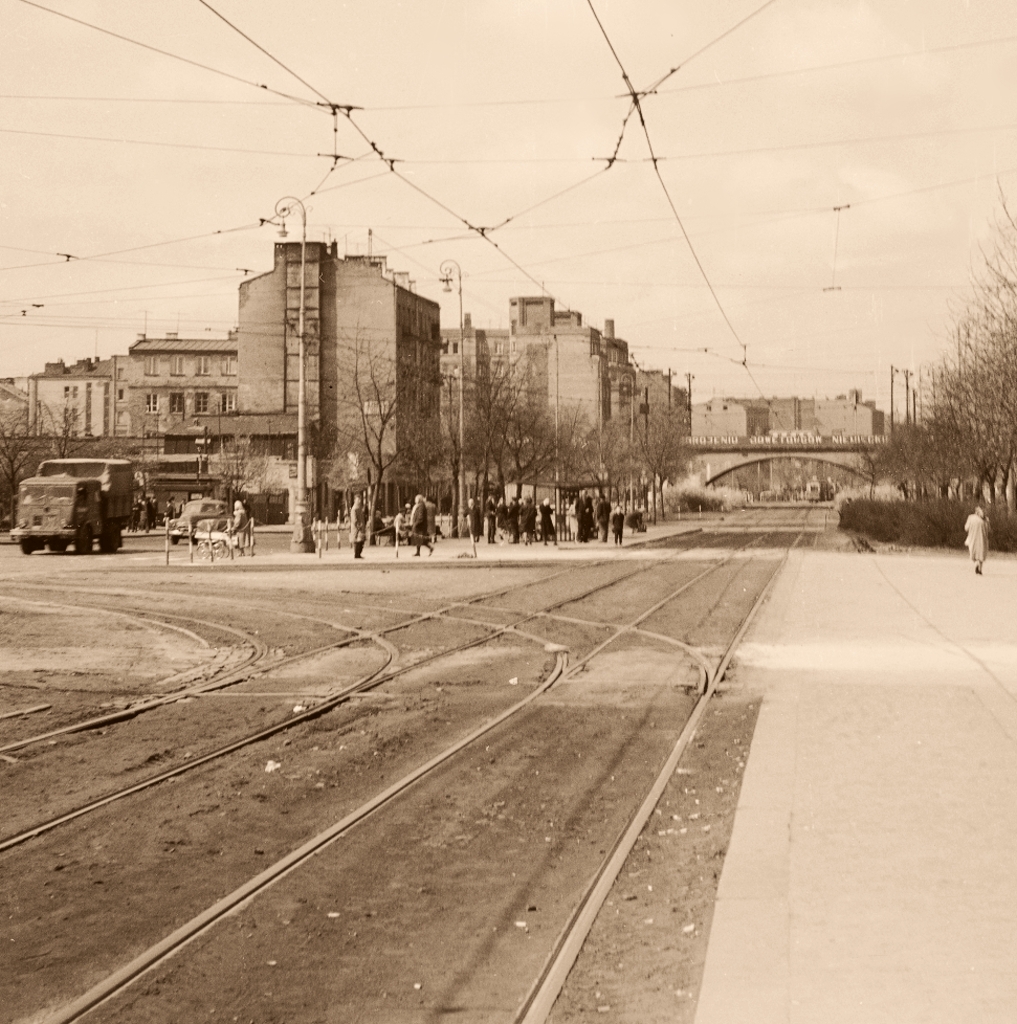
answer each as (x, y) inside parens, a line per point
(301, 541)
(446, 276)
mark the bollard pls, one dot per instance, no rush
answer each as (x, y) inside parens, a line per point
(250, 536)
(190, 541)
(167, 540)
(229, 537)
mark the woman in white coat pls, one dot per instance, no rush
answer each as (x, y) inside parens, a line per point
(977, 541)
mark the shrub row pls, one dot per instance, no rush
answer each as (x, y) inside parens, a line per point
(929, 524)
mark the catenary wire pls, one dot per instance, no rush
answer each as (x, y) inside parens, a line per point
(174, 56)
(737, 25)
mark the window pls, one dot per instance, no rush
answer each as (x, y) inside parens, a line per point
(176, 366)
(177, 402)
(120, 394)
(152, 402)
(229, 366)
(204, 368)
(151, 366)
(121, 372)
(200, 402)
(229, 401)
(121, 418)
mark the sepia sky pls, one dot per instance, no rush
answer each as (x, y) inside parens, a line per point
(503, 115)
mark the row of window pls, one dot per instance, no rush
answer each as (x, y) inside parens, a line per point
(204, 402)
(203, 366)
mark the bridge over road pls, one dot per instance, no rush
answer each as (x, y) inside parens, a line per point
(720, 456)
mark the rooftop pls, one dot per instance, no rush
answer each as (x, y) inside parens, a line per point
(171, 343)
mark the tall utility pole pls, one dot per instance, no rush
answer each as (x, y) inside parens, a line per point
(446, 276)
(892, 373)
(907, 396)
(301, 541)
(688, 395)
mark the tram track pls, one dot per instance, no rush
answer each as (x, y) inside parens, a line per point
(371, 681)
(234, 674)
(242, 896)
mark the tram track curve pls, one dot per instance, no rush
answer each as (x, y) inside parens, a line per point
(631, 626)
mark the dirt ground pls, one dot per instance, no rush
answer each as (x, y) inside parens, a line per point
(135, 870)
(643, 961)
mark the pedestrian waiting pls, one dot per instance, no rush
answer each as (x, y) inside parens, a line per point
(358, 526)
(419, 536)
(547, 530)
(617, 523)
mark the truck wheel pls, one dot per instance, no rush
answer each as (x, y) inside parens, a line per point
(27, 547)
(108, 539)
(59, 545)
(174, 540)
(83, 540)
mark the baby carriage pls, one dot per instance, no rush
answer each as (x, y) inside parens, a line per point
(213, 538)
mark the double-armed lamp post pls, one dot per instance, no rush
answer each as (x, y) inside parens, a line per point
(447, 269)
(301, 541)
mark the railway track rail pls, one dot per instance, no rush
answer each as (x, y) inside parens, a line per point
(541, 994)
(259, 651)
(371, 681)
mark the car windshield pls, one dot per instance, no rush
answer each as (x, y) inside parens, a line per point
(193, 508)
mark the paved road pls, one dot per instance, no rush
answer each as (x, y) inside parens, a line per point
(870, 876)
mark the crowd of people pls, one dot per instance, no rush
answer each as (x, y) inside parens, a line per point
(514, 521)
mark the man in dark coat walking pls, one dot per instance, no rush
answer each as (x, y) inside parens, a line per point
(491, 514)
(603, 517)
(475, 520)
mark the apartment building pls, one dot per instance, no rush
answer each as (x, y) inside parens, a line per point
(164, 382)
(72, 401)
(369, 340)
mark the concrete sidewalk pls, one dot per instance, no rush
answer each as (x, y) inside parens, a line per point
(872, 873)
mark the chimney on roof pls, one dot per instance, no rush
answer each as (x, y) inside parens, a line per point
(609, 330)
(402, 278)
(141, 335)
(467, 322)
(171, 335)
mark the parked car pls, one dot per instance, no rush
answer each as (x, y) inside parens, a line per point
(199, 508)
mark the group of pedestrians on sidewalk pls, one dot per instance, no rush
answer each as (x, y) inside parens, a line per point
(513, 522)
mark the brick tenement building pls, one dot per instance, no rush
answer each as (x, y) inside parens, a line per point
(370, 340)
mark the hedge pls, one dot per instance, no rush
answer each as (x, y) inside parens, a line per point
(929, 524)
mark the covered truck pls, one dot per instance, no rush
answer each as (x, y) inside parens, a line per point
(74, 501)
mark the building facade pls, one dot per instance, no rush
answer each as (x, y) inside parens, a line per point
(72, 401)
(163, 383)
(843, 416)
(372, 347)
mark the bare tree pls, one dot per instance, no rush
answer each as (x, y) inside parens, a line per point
(389, 397)
(19, 453)
(663, 447)
(240, 468)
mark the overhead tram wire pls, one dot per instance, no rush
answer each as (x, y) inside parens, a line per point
(270, 56)
(161, 145)
(174, 56)
(347, 111)
(98, 257)
(636, 103)
(723, 35)
(883, 58)
(837, 66)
